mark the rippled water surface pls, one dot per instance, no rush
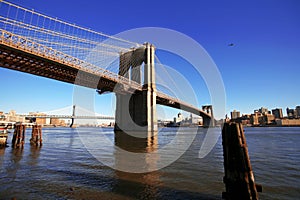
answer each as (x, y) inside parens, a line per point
(63, 168)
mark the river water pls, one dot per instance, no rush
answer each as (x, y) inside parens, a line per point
(64, 168)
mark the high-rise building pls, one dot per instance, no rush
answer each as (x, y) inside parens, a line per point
(277, 113)
(298, 111)
(235, 114)
(263, 110)
(268, 119)
(179, 118)
(255, 118)
(291, 113)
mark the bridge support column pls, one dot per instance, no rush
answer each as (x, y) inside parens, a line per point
(137, 111)
(73, 115)
(209, 122)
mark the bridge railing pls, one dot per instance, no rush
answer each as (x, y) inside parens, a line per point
(24, 44)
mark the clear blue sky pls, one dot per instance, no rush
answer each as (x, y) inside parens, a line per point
(261, 69)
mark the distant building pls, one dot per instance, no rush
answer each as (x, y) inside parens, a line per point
(255, 118)
(298, 111)
(288, 122)
(291, 113)
(178, 119)
(244, 119)
(2, 116)
(194, 119)
(38, 120)
(263, 111)
(235, 114)
(57, 122)
(268, 119)
(13, 117)
(277, 113)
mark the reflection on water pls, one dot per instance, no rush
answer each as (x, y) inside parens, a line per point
(65, 168)
(13, 168)
(141, 144)
(2, 151)
(34, 154)
(136, 154)
(137, 185)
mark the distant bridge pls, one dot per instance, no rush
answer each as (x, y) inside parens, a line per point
(61, 116)
(68, 117)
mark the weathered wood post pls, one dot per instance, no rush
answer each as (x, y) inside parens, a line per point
(19, 136)
(3, 136)
(36, 135)
(239, 178)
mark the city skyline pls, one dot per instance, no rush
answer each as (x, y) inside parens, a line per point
(283, 111)
(260, 68)
(68, 111)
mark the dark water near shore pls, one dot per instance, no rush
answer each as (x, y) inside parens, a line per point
(63, 168)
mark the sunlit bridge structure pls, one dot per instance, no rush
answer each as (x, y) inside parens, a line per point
(34, 43)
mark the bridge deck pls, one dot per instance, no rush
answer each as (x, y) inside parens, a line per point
(18, 53)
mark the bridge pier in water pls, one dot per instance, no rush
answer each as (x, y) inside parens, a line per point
(208, 121)
(72, 119)
(136, 112)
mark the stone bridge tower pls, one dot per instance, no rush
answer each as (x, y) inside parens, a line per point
(137, 111)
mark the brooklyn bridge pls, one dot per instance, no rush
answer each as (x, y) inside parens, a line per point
(35, 43)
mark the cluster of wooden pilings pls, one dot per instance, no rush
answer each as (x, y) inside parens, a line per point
(19, 136)
(239, 177)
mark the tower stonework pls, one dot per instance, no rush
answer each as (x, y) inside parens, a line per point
(137, 111)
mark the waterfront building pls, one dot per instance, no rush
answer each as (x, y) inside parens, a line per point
(255, 119)
(277, 112)
(268, 119)
(41, 121)
(57, 122)
(235, 114)
(288, 122)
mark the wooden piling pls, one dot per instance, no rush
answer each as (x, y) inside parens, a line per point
(36, 135)
(19, 136)
(3, 136)
(239, 177)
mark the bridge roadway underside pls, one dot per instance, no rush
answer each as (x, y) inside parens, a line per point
(22, 61)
